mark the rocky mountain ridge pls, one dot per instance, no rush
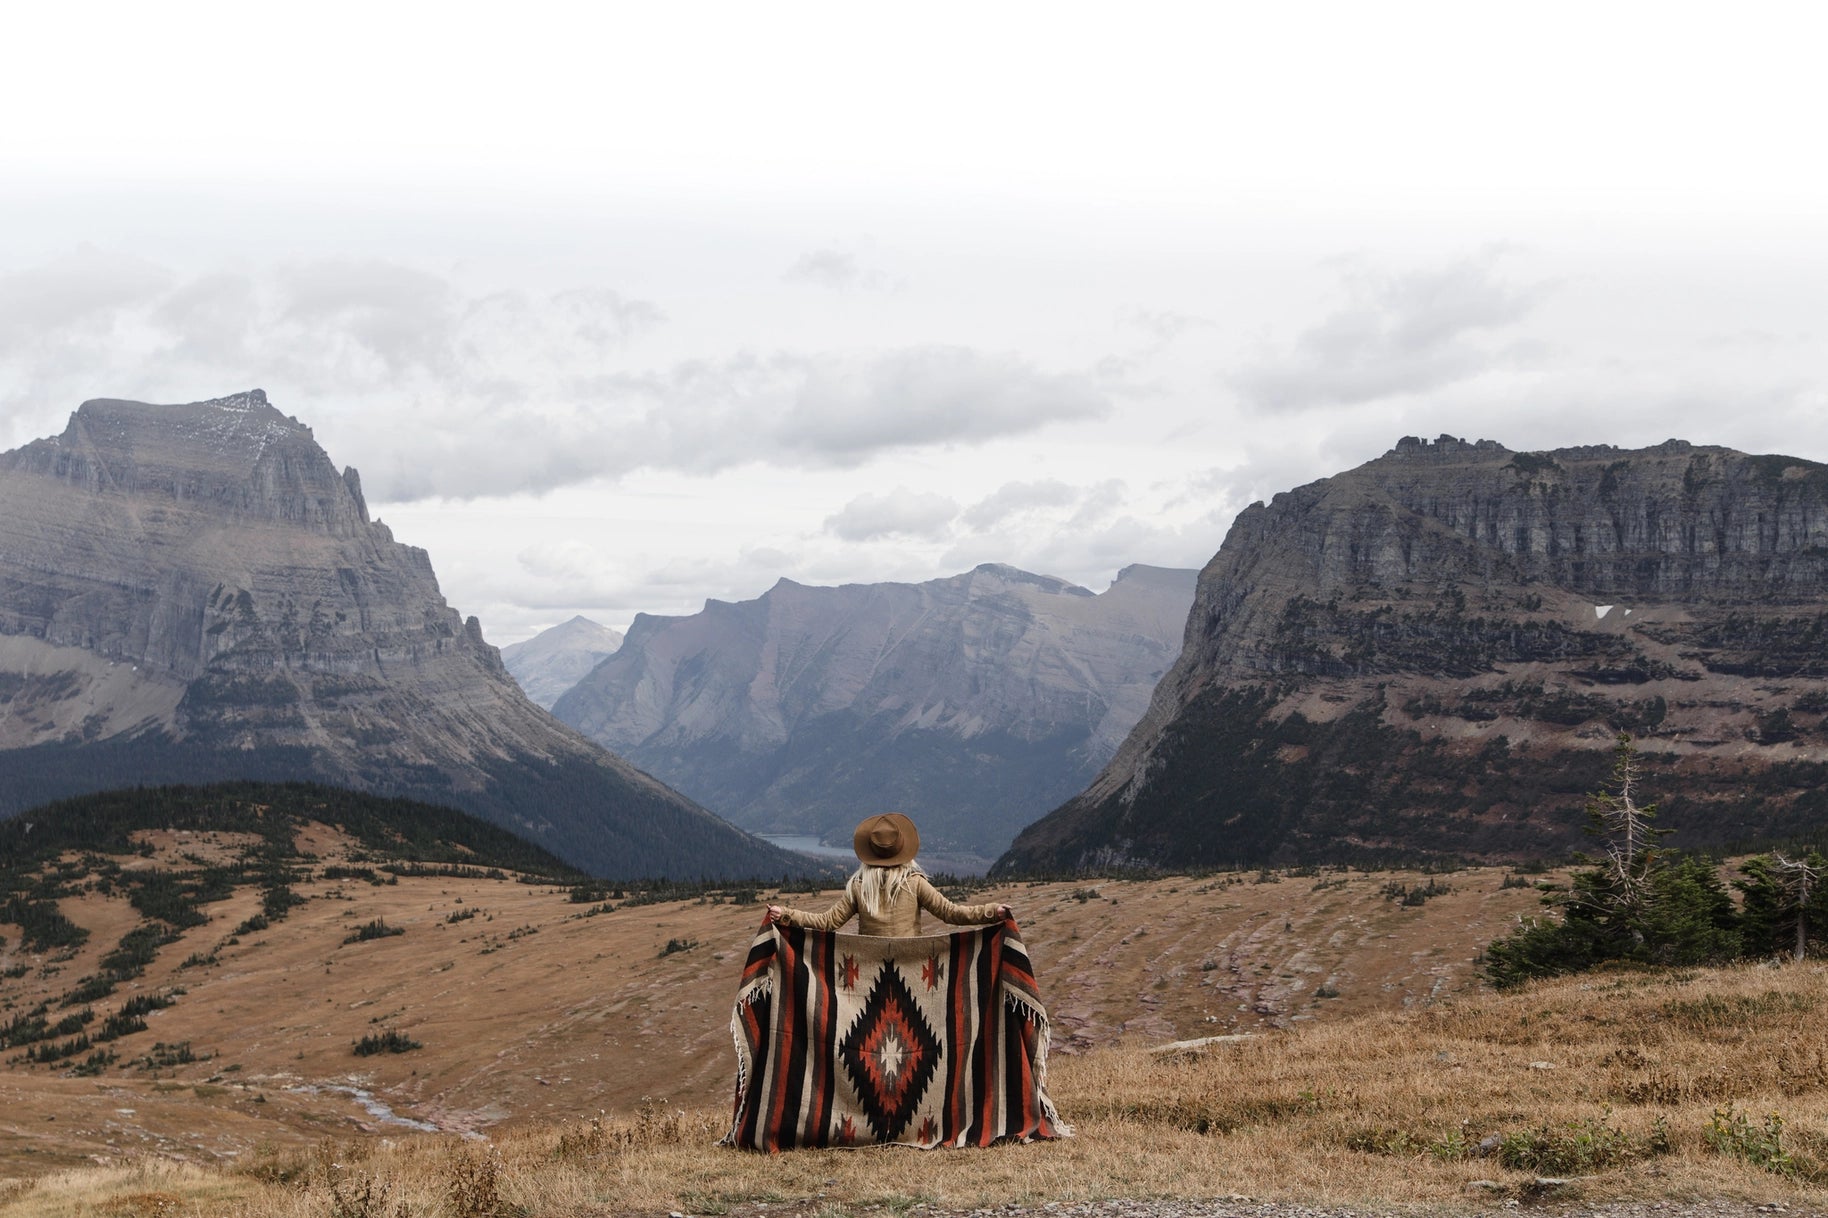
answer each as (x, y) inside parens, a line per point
(973, 703)
(1432, 653)
(557, 658)
(191, 593)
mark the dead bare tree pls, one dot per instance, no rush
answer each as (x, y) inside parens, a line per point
(1798, 876)
(1625, 825)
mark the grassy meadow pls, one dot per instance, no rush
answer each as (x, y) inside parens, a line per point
(1629, 1085)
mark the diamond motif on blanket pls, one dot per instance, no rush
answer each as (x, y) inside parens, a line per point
(890, 1054)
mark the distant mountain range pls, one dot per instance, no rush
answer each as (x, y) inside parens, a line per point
(554, 660)
(1433, 653)
(974, 703)
(194, 593)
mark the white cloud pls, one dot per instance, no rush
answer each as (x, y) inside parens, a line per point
(1395, 334)
(841, 271)
(900, 512)
(561, 560)
(846, 408)
(1017, 497)
(1164, 325)
(435, 391)
(80, 294)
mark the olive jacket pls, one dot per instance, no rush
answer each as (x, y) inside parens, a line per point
(903, 918)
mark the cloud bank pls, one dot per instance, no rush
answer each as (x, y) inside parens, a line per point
(435, 391)
(1394, 334)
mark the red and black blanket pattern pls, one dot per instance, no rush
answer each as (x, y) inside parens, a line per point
(849, 1040)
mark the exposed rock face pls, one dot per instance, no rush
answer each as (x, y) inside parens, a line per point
(1432, 653)
(554, 660)
(973, 703)
(189, 593)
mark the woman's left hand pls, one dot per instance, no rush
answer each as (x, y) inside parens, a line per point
(1003, 911)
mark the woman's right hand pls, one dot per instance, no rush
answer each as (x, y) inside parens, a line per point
(776, 913)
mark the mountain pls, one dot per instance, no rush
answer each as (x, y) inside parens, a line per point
(974, 703)
(1432, 654)
(194, 593)
(554, 660)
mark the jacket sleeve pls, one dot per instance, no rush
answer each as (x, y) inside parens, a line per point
(934, 902)
(841, 912)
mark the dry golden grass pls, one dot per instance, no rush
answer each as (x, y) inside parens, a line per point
(1620, 1074)
(530, 1012)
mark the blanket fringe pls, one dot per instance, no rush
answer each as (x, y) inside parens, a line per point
(754, 992)
(758, 989)
(1034, 1013)
(742, 1077)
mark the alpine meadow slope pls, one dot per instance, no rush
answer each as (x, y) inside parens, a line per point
(1433, 653)
(973, 703)
(193, 593)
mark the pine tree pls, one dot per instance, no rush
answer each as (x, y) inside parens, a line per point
(1785, 903)
(1632, 861)
(1635, 903)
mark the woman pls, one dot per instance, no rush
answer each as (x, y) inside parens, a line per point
(890, 888)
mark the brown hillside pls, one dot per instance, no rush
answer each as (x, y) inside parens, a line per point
(531, 1007)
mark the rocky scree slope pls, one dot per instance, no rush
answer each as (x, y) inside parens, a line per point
(1433, 653)
(974, 703)
(191, 593)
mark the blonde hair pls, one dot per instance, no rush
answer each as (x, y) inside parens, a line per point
(877, 887)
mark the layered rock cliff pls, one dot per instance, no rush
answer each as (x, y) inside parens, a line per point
(1432, 653)
(194, 592)
(973, 703)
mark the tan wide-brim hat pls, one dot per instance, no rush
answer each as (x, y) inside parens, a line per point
(886, 840)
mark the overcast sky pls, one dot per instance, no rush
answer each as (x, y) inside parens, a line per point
(620, 307)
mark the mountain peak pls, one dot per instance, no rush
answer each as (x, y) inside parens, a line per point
(1445, 448)
(192, 592)
(971, 701)
(1145, 573)
(1015, 575)
(1434, 652)
(557, 658)
(236, 454)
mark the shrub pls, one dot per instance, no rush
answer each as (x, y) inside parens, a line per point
(376, 929)
(1731, 1132)
(390, 1041)
(1419, 895)
(475, 1186)
(278, 900)
(163, 1056)
(120, 1024)
(94, 1064)
(1578, 1146)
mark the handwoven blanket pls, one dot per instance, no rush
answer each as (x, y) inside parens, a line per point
(846, 1040)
